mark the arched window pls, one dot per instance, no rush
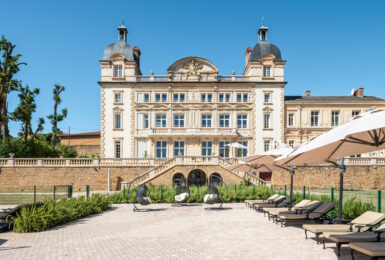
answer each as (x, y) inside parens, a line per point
(216, 179)
(177, 179)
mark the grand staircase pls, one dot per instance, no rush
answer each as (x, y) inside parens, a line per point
(192, 160)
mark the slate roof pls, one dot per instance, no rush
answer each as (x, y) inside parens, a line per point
(263, 48)
(332, 99)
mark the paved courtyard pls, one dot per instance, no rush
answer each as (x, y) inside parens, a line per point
(167, 233)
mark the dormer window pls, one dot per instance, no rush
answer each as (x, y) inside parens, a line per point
(267, 71)
(117, 71)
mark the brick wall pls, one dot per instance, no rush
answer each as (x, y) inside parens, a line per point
(355, 177)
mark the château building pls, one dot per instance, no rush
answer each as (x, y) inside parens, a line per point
(193, 110)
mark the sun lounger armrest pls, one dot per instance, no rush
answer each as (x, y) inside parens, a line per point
(360, 226)
(379, 233)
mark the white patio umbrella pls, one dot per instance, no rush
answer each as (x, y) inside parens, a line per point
(362, 134)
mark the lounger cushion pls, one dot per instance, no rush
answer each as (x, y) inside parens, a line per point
(369, 217)
(369, 248)
(181, 197)
(320, 228)
(347, 237)
(309, 207)
(210, 198)
(300, 216)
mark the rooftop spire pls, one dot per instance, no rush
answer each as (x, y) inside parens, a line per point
(122, 30)
(262, 32)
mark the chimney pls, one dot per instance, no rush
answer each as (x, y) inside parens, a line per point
(247, 54)
(137, 54)
(359, 92)
(307, 93)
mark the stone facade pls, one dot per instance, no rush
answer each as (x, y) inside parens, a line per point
(166, 178)
(144, 116)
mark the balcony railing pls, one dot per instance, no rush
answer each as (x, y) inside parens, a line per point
(163, 78)
(193, 132)
(114, 162)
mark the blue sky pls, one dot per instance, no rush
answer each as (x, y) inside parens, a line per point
(330, 46)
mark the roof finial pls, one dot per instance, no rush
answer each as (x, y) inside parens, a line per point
(263, 22)
(122, 16)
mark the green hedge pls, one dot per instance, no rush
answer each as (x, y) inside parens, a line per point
(52, 213)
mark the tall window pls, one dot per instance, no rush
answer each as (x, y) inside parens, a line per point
(314, 118)
(118, 149)
(206, 120)
(161, 149)
(267, 97)
(143, 97)
(206, 97)
(224, 97)
(243, 97)
(290, 119)
(224, 149)
(242, 152)
(266, 145)
(118, 97)
(291, 143)
(143, 121)
(117, 120)
(207, 148)
(355, 113)
(178, 148)
(335, 118)
(179, 97)
(178, 120)
(161, 97)
(224, 121)
(266, 71)
(117, 71)
(266, 121)
(242, 121)
(161, 120)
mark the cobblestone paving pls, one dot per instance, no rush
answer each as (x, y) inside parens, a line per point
(167, 232)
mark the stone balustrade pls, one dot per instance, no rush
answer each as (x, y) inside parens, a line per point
(190, 160)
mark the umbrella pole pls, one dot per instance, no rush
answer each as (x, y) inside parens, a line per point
(342, 171)
(292, 172)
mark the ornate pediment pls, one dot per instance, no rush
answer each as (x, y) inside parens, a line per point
(160, 107)
(143, 106)
(225, 106)
(267, 109)
(193, 69)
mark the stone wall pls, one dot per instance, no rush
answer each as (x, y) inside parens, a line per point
(23, 178)
(166, 178)
(355, 177)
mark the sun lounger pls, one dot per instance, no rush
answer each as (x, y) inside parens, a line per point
(273, 202)
(272, 213)
(348, 237)
(316, 214)
(273, 197)
(361, 223)
(283, 204)
(374, 250)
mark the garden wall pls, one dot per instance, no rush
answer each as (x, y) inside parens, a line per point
(356, 177)
(23, 178)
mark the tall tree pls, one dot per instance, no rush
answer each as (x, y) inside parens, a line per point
(25, 110)
(9, 66)
(55, 117)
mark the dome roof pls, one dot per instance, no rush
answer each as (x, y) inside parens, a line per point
(120, 47)
(263, 48)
